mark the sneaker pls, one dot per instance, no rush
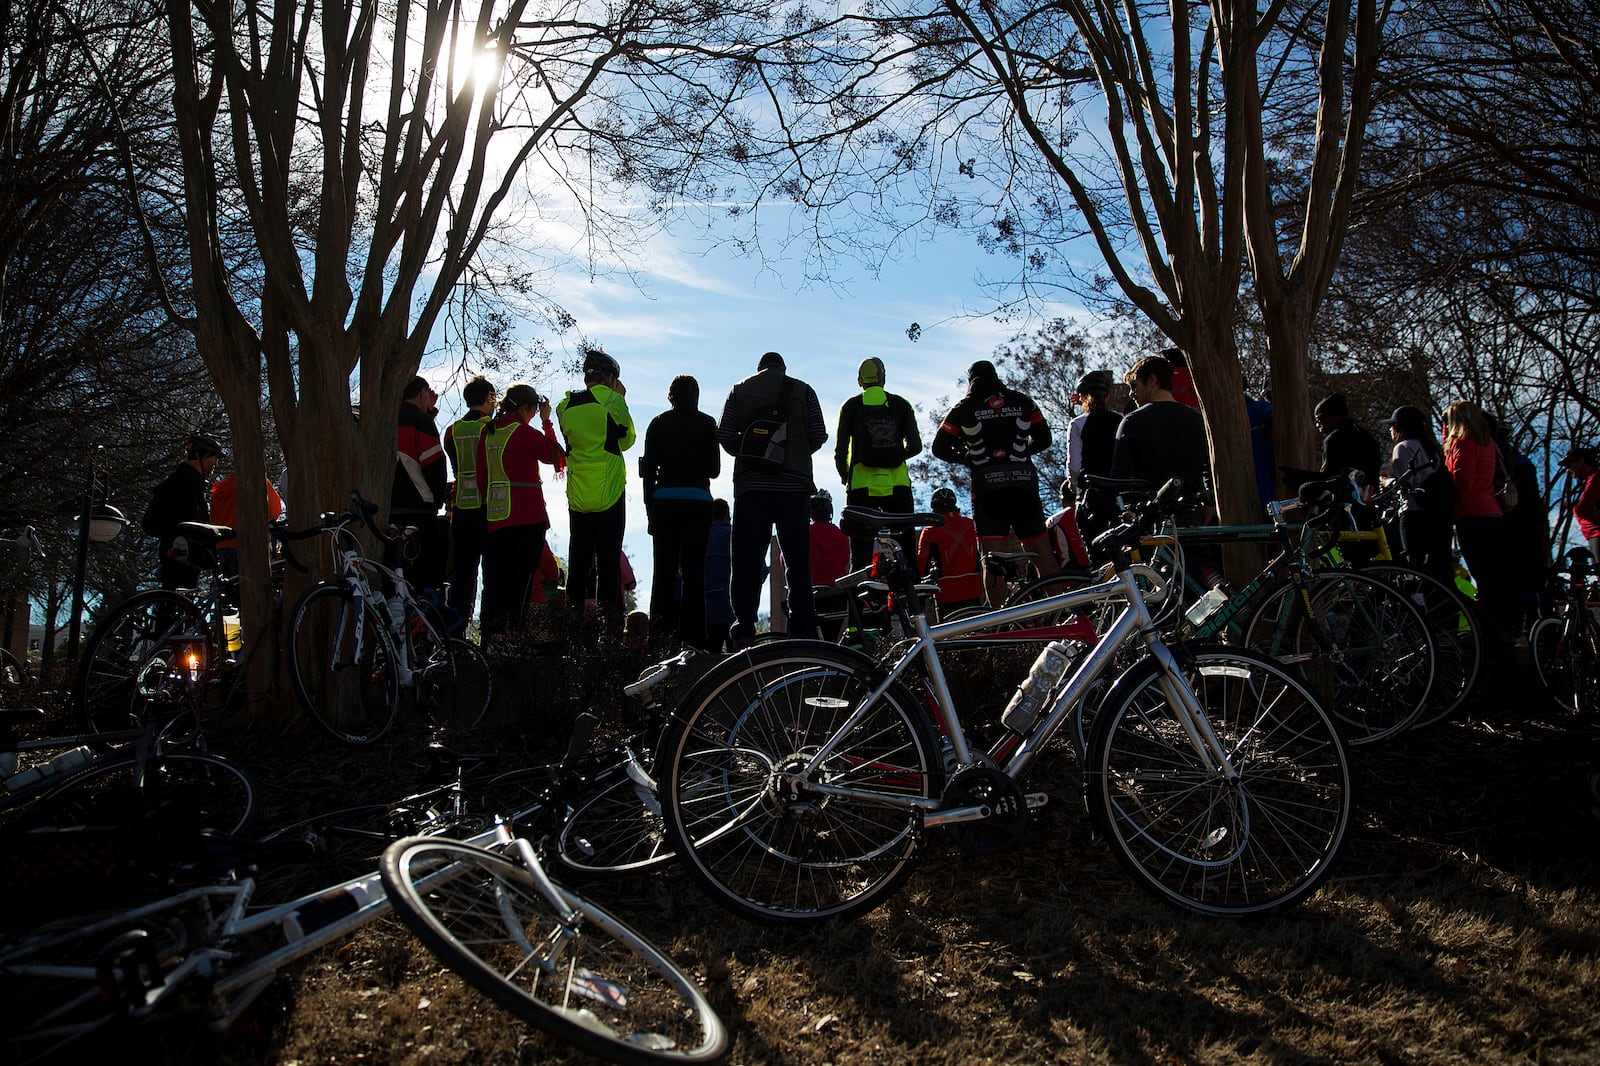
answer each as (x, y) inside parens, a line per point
(741, 635)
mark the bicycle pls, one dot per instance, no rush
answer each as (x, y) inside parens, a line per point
(200, 950)
(801, 777)
(124, 777)
(356, 640)
(1566, 646)
(1362, 645)
(163, 651)
(596, 811)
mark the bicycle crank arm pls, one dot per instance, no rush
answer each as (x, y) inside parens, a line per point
(975, 813)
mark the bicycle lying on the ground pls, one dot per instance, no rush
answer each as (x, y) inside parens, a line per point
(123, 777)
(356, 640)
(485, 905)
(800, 778)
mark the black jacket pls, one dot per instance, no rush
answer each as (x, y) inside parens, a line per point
(680, 451)
(182, 497)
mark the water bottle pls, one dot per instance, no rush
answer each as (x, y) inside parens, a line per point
(60, 766)
(1338, 621)
(1208, 605)
(397, 614)
(1047, 671)
(232, 634)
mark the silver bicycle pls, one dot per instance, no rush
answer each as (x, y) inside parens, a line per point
(799, 779)
(484, 905)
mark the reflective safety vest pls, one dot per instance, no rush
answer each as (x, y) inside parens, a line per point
(464, 437)
(500, 485)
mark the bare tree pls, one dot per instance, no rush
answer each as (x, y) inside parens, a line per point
(365, 153)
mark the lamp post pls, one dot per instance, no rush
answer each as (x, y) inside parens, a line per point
(97, 521)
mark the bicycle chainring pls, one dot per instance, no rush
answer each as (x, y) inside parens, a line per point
(995, 789)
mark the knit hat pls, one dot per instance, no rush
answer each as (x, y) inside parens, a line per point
(770, 359)
(871, 371)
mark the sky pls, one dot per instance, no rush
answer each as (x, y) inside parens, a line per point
(712, 315)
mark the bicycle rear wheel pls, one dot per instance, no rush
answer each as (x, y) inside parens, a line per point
(1457, 638)
(569, 968)
(181, 789)
(456, 685)
(341, 662)
(617, 829)
(1363, 648)
(762, 839)
(147, 660)
(1194, 838)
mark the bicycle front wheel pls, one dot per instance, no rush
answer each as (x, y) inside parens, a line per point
(616, 829)
(1360, 644)
(564, 965)
(1195, 837)
(181, 789)
(768, 838)
(342, 664)
(146, 660)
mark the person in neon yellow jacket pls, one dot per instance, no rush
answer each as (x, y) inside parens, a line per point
(597, 428)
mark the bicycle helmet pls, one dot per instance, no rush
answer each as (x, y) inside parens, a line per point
(944, 500)
(822, 505)
(598, 364)
(1095, 381)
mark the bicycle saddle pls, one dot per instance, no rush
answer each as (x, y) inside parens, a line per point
(203, 534)
(870, 520)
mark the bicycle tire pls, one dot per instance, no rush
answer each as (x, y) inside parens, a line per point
(584, 977)
(1567, 664)
(614, 831)
(456, 686)
(52, 979)
(1373, 671)
(186, 789)
(1457, 630)
(1194, 839)
(764, 846)
(354, 702)
(136, 666)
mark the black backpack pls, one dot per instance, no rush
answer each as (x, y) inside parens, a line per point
(875, 438)
(764, 441)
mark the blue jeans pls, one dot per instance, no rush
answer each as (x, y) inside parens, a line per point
(755, 515)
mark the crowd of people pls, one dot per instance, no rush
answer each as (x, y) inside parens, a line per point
(1462, 485)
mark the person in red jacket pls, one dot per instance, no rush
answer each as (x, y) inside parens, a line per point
(954, 548)
(830, 547)
(1584, 467)
(1469, 455)
(225, 512)
(507, 472)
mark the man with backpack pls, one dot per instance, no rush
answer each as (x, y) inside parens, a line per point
(771, 424)
(995, 432)
(183, 497)
(877, 434)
